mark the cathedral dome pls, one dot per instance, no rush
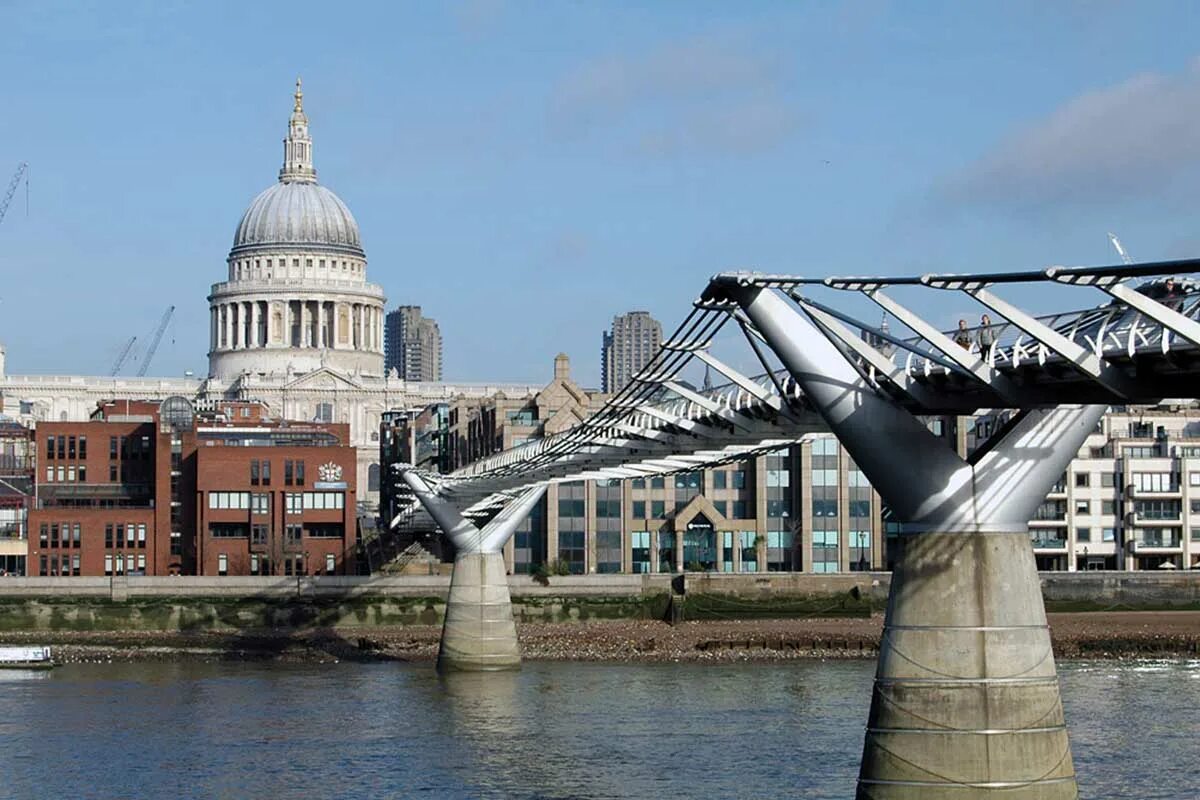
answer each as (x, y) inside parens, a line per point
(298, 214)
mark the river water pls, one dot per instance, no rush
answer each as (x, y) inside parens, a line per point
(552, 730)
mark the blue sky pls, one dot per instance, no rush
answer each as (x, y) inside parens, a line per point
(526, 171)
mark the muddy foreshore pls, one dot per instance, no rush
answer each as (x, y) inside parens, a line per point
(1099, 635)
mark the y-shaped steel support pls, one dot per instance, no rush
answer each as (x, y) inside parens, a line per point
(966, 701)
(478, 633)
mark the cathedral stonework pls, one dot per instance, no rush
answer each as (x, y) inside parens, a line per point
(296, 297)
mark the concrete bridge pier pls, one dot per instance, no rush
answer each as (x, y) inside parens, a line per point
(478, 633)
(966, 702)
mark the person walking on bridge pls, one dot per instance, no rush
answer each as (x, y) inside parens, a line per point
(986, 337)
(962, 337)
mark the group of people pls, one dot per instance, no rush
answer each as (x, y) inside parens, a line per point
(985, 335)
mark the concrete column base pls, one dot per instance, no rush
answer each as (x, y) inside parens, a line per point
(479, 633)
(966, 701)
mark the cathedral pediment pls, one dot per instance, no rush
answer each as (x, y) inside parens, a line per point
(323, 380)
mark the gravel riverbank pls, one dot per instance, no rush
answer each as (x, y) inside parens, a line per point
(1123, 634)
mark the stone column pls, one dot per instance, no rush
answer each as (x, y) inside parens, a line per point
(320, 323)
(227, 313)
(305, 324)
(255, 320)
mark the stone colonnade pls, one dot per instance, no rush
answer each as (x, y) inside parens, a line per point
(260, 322)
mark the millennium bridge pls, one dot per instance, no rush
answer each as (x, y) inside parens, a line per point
(966, 700)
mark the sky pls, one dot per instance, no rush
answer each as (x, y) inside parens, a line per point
(525, 171)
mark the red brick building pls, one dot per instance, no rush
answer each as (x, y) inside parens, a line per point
(161, 489)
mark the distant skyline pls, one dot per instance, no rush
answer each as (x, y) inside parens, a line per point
(525, 172)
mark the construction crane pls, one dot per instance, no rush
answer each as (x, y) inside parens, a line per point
(158, 334)
(22, 168)
(1112, 237)
(124, 356)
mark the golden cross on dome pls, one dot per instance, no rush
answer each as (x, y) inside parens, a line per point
(299, 97)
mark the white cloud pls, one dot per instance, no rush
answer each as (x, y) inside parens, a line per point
(1131, 140)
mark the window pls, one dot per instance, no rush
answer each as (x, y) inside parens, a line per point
(254, 563)
(739, 509)
(825, 547)
(292, 534)
(323, 501)
(719, 478)
(82, 474)
(640, 544)
(1108, 534)
(608, 551)
(658, 482)
(780, 545)
(289, 472)
(1108, 507)
(1082, 479)
(44, 535)
(1083, 534)
(228, 530)
(739, 479)
(258, 534)
(330, 563)
(325, 531)
(658, 509)
(265, 470)
(1155, 482)
(50, 447)
(260, 503)
(141, 535)
(608, 509)
(222, 564)
(141, 562)
(71, 447)
(324, 412)
(568, 507)
(293, 502)
(299, 473)
(747, 542)
(229, 500)
(639, 509)
(1083, 507)
(825, 446)
(638, 483)
(108, 565)
(1108, 480)
(254, 472)
(571, 549)
(108, 536)
(112, 447)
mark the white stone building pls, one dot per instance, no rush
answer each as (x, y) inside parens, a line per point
(295, 324)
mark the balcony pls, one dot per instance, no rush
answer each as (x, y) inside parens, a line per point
(11, 532)
(1163, 490)
(1045, 540)
(1173, 542)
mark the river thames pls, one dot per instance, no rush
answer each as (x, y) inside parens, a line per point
(552, 730)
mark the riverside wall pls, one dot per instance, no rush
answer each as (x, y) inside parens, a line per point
(239, 603)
